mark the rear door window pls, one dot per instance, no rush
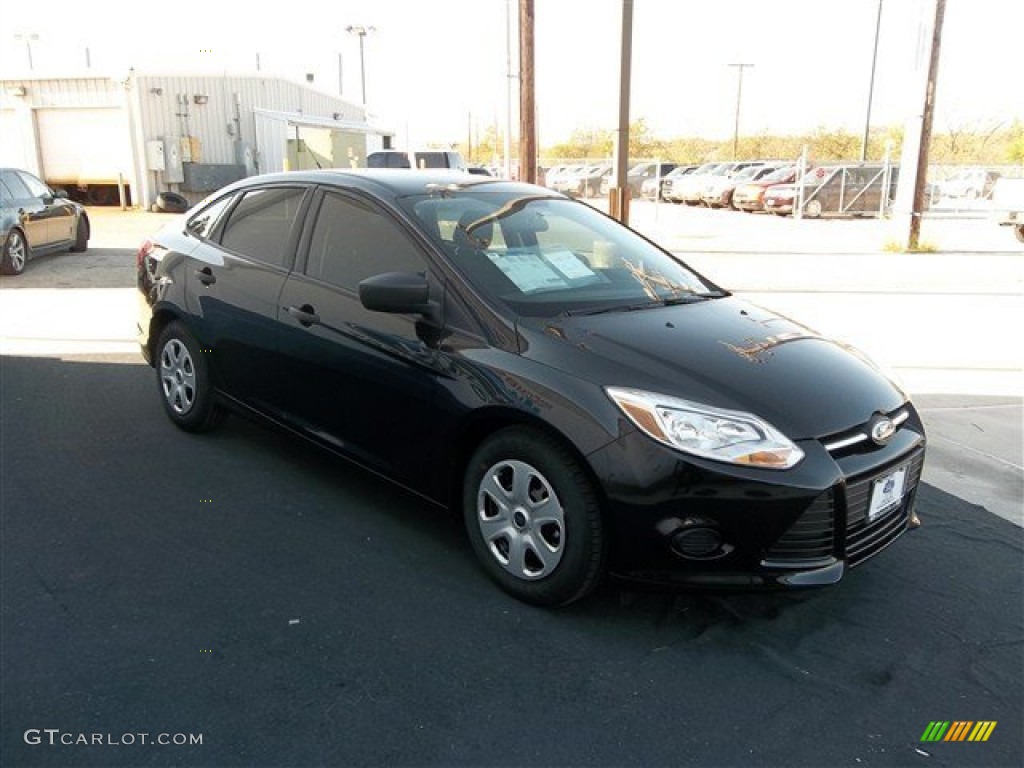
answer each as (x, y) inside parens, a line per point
(260, 226)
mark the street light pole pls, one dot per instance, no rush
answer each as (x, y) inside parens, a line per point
(739, 98)
(871, 87)
(361, 32)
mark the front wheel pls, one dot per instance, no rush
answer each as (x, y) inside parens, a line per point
(812, 209)
(183, 376)
(15, 253)
(1019, 231)
(81, 235)
(533, 518)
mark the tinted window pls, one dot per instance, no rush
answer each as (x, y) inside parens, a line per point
(431, 160)
(387, 160)
(352, 241)
(260, 224)
(16, 186)
(202, 224)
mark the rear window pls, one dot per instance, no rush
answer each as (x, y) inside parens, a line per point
(387, 160)
(431, 160)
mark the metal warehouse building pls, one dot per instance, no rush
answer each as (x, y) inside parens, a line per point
(111, 140)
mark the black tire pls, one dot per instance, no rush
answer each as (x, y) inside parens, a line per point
(15, 254)
(170, 202)
(81, 235)
(557, 518)
(1019, 231)
(183, 380)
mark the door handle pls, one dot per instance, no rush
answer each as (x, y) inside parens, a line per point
(206, 276)
(305, 314)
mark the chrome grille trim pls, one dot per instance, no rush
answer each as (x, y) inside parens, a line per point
(858, 436)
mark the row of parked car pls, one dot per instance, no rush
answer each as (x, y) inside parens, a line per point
(746, 185)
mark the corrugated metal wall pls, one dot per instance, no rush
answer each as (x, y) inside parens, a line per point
(168, 108)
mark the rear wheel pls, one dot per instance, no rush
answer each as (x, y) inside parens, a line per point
(15, 253)
(812, 209)
(533, 518)
(183, 376)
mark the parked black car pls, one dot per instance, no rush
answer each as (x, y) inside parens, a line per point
(36, 220)
(587, 401)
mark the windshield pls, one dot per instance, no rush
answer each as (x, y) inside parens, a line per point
(543, 256)
(747, 173)
(780, 174)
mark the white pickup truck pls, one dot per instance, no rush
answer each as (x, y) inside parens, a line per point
(1008, 205)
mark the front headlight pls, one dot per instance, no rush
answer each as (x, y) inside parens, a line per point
(711, 433)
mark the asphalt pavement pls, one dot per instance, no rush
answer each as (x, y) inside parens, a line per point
(255, 594)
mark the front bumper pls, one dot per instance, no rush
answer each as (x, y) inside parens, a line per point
(678, 520)
(778, 206)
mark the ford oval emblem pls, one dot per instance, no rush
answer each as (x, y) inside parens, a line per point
(883, 430)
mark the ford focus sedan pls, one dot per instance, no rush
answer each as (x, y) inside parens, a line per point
(583, 399)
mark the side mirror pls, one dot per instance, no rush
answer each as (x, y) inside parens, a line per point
(397, 292)
(58, 192)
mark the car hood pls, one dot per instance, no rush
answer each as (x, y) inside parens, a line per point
(721, 352)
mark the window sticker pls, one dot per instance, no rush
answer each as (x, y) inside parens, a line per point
(528, 270)
(569, 264)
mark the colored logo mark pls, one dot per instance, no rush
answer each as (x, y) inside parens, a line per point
(959, 730)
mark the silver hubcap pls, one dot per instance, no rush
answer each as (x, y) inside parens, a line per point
(178, 377)
(16, 251)
(521, 520)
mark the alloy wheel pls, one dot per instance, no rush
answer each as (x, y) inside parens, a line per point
(16, 252)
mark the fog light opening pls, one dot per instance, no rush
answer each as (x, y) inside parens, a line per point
(698, 543)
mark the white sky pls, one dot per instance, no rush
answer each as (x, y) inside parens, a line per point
(433, 63)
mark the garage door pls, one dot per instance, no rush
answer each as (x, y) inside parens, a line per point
(83, 146)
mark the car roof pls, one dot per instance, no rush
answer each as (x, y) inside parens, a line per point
(388, 182)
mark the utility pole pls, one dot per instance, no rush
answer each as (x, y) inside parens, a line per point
(527, 104)
(871, 87)
(926, 127)
(739, 99)
(618, 202)
(509, 77)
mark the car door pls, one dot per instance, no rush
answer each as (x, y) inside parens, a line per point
(234, 279)
(30, 210)
(58, 215)
(362, 382)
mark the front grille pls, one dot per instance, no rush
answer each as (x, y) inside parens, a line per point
(809, 541)
(864, 539)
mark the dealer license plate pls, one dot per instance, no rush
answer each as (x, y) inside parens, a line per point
(887, 493)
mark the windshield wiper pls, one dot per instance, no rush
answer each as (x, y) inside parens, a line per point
(672, 301)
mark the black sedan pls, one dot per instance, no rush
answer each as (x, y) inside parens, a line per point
(587, 402)
(35, 220)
